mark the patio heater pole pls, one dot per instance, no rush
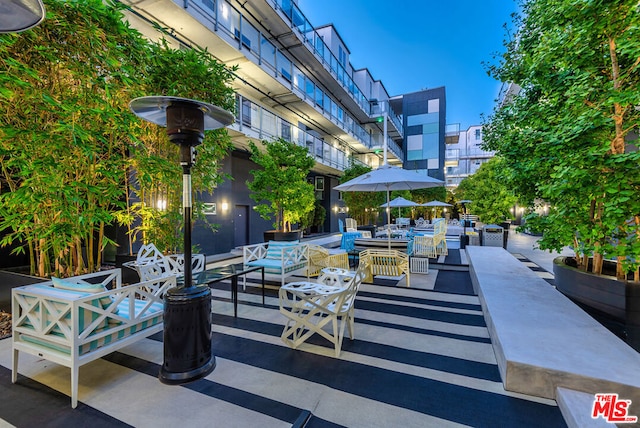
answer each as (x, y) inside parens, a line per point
(187, 309)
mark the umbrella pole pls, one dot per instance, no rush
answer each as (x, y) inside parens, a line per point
(388, 220)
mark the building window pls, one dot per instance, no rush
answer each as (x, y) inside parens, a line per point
(342, 56)
(477, 134)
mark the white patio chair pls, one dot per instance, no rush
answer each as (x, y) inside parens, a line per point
(310, 306)
(351, 225)
(176, 261)
(150, 263)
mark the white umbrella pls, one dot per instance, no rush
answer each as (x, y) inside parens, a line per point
(400, 202)
(388, 178)
(435, 204)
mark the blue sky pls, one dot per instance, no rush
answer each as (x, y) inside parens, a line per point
(415, 44)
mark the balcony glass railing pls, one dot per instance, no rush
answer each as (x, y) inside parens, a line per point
(315, 43)
(228, 20)
(251, 118)
(452, 129)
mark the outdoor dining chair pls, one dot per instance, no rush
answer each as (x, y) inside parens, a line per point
(310, 306)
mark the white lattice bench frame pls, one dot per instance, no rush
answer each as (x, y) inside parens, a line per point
(283, 261)
(71, 329)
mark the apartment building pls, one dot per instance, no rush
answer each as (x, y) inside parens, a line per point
(295, 81)
(464, 157)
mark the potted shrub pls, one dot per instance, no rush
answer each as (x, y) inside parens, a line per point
(567, 137)
(280, 186)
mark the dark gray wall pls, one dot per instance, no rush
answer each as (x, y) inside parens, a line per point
(235, 192)
(414, 104)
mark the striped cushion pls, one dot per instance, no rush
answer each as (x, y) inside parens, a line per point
(83, 287)
(274, 266)
(155, 309)
(85, 315)
(274, 248)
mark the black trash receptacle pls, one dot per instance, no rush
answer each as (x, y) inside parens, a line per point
(187, 335)
(506, 225)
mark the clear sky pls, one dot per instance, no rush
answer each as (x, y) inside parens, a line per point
(412, 45)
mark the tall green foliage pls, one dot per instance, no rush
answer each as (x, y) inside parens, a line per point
(567, 135)
(280, 186)
(62, 132)
(69, 144)
(492, 197)
(157, 182)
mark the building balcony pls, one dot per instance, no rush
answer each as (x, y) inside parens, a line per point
(452, 133)
(266, 73)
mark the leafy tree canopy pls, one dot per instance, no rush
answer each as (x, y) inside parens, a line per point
(492, 197)
(280, 186)
(568, 135)
(72, 155)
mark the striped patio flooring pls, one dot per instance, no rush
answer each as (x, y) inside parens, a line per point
(421, 358)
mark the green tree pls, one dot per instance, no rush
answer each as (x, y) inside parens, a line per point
(567, 134)
(280, 186)
(363, 206)
(154, 213)
(71, 152)
(63, 134)
(491, 195)
(422, 196)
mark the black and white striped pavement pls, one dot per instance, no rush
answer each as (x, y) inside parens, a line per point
(421, 358)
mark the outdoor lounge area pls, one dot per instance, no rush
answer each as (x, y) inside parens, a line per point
(421, 356)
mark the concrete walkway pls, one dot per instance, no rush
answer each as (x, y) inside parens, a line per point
(527, 245)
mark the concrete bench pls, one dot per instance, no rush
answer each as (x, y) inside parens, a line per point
(77, 320)
(542, 340)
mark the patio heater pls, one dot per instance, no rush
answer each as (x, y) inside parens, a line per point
(187, 309)
(465, 238)
(20, 15)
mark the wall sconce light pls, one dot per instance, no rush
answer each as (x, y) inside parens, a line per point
(335, 208)
(224, 206)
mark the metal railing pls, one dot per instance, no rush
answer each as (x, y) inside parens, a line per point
(254, 120)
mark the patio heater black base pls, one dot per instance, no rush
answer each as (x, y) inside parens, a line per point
(187, 335)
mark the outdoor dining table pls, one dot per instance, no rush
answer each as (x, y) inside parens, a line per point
(230, 271)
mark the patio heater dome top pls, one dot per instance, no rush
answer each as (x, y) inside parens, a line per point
(178, 114)
(20, 15)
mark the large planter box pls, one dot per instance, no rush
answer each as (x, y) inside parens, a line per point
(274, 235)
(602, 292)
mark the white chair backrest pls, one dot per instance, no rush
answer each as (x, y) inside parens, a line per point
(198, 262)
(148, 254)
(403, 221)
(351, 225)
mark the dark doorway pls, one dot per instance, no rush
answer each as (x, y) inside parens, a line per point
(241, 225)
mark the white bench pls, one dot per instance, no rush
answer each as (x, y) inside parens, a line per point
(543, 342)
(281, 258)
(72, 327)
